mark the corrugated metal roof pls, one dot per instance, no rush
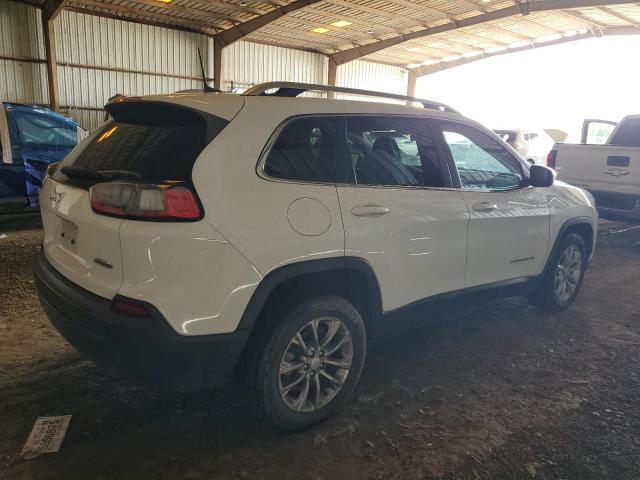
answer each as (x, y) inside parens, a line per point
(370, 21)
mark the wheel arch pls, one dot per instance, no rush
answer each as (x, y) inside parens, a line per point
(351, 277)
(291, 284)
(583, 226)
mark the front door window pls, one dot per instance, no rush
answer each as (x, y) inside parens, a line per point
(482, 162)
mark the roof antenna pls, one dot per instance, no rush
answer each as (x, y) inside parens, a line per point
(205, 85)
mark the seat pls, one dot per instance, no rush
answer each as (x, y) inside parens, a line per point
(385, 162)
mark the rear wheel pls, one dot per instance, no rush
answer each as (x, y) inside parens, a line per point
(562, 281)
(311, 363)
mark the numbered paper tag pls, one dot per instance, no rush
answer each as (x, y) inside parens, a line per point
(46, 436)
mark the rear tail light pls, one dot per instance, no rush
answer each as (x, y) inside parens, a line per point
(551, 158)
(129, 307)
(155, 202)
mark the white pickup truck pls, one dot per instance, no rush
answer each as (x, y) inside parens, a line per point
(607, 163)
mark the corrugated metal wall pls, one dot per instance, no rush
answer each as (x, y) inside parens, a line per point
(372, 76)
(99, 57)
(24, 78)
(245, 64)
(121, 57)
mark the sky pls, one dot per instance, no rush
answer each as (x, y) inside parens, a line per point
(552, 87)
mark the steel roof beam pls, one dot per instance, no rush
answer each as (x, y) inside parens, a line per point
(586, 21)
(473, 6)
(407, 20)
(620, 16)
(348, 55)
(241, 30)
(377, 25)
(429, 69)
(52, 8)
(417, 7)
(187, 11)
(141, 16)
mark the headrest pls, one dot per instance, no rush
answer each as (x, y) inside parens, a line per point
(387, 145)
(296, 135)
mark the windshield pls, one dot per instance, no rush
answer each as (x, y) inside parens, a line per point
(34, 128)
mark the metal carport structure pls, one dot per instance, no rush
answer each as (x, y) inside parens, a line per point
(421, 36)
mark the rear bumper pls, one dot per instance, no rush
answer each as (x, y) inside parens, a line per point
(147, 349)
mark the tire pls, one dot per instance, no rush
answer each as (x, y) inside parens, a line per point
(549, 295)
(286, 406)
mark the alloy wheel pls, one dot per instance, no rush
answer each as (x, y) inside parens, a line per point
(315, 364)
(568, 273)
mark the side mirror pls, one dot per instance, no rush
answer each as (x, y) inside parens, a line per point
(541, 176)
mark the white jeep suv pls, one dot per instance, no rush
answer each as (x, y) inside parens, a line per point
(200, 237)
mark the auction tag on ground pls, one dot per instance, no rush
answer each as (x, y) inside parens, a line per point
(46, 436)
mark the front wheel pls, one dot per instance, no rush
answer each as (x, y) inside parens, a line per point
(311, 363)
(563, 278)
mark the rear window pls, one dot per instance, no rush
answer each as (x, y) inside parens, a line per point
(627, 134)
(304, 151)
(150, 142)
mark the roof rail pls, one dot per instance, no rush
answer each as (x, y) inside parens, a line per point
(293, 89)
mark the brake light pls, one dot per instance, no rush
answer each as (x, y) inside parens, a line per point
(551, 158)
(130, 307)
(154, 202)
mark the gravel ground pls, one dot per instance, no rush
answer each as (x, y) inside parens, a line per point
(501, 391)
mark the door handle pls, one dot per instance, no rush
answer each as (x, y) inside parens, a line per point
(369, 210)
(618, 161)
(484, 207)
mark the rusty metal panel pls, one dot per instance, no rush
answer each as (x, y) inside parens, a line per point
(247, 63)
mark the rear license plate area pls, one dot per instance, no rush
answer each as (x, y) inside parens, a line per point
(68, 234)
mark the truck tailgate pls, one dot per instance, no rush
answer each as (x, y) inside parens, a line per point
(602, 168)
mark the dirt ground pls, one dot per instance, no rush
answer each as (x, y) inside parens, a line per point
(497, 392)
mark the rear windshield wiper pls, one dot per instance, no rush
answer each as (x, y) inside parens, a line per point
(86, 174)
(83, 173)
(120, 174)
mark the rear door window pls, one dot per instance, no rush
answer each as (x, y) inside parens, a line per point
(304, 150)
(144, 142)
(394, 151)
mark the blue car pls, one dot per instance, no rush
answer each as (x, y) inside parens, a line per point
(31, 138)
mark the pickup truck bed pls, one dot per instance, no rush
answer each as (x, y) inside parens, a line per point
(610, 172)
